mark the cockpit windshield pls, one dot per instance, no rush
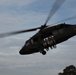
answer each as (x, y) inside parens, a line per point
(27, 43)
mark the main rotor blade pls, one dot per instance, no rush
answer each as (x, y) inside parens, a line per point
(67, 19)
(17, 32)
(55, 7)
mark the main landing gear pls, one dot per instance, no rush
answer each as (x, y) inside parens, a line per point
(43, 52)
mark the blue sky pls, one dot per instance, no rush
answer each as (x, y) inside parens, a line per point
(25, 14)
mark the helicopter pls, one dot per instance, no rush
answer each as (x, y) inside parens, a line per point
(47, 37)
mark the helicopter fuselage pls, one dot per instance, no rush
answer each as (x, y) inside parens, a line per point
(48, 37)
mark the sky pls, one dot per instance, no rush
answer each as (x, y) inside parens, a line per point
(25, 14)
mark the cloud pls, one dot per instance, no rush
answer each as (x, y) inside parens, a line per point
(17, 2)
(20, 20)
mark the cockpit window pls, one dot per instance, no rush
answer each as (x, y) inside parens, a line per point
(27, 43)
(32, 42)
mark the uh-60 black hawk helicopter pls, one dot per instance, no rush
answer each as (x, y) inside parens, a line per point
(46, 36)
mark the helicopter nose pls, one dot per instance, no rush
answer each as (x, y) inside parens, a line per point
(22, 52)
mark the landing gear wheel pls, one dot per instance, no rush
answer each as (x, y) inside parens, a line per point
(43, 52)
